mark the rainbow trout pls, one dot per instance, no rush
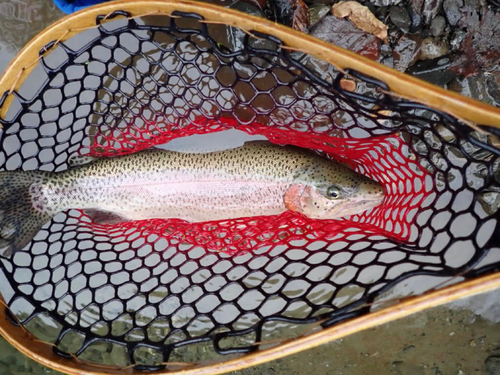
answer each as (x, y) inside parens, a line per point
(256, 179)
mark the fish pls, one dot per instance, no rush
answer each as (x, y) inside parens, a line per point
(256, 179)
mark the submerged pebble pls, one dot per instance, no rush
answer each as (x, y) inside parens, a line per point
(456, 40)
(400, 18)
(416, 20)
(430, 9)
(436, 71)
(386, 50)
(438, 25)
(406, 53)
(433, 48)
(236, 36)
(452, 11)
(492, 365)
(317, 12)
(385, 3)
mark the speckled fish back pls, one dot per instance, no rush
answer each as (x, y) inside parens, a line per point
(247, 181)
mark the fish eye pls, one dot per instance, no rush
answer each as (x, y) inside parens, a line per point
(333, 192)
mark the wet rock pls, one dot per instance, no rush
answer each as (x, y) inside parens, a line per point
(433, 48)
(480, 49)
(416, 20)
(475, 87)
(417, 5)
(437, 26)
(394, 35)
(493, 88)
(291, 13)
(408, 348)
(476, 4)
(400, 18)
(344, 33)
(235, 36)
(452, 11)
(435, 71)
(317, 12)
(428, 9)
(492, 365)
(431, 9)
(381, 13)
(456, 40)
(386, 50)
(490, 202)
(385, 3)
(406, 53)
(388, 61)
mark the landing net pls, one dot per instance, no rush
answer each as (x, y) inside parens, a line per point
(148, 292)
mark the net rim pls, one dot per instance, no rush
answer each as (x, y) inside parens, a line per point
(398, 82)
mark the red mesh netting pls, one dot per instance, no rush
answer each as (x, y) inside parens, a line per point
(381, 158)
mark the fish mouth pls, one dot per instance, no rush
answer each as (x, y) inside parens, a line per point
(370, 202)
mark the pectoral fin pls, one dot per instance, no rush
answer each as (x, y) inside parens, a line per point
(105, 217)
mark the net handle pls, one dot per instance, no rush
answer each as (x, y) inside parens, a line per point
(400, 83)
(45, 355)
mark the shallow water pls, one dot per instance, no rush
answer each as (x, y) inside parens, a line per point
(456, 339)
(30, 17)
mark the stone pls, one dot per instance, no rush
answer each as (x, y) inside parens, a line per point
(416, 20)
(235, 36)
(417, 5)
(385, 3)
(386, 50)
(436, 71)
(456, 40)
(406, 53)
(437, 26)
(480, 49)
(493, 88)
(428, 9)
(475, 87)
(345, 34)
(381, 13)
(317, 12)
(388, 61)
(400, 17)
(433, 48)
(452, 12)
(408, 348)
(394, 35)
(492, 365)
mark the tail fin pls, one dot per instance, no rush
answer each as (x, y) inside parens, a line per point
(19, 220)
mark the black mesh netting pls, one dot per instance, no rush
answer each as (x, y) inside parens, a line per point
(148, 292)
